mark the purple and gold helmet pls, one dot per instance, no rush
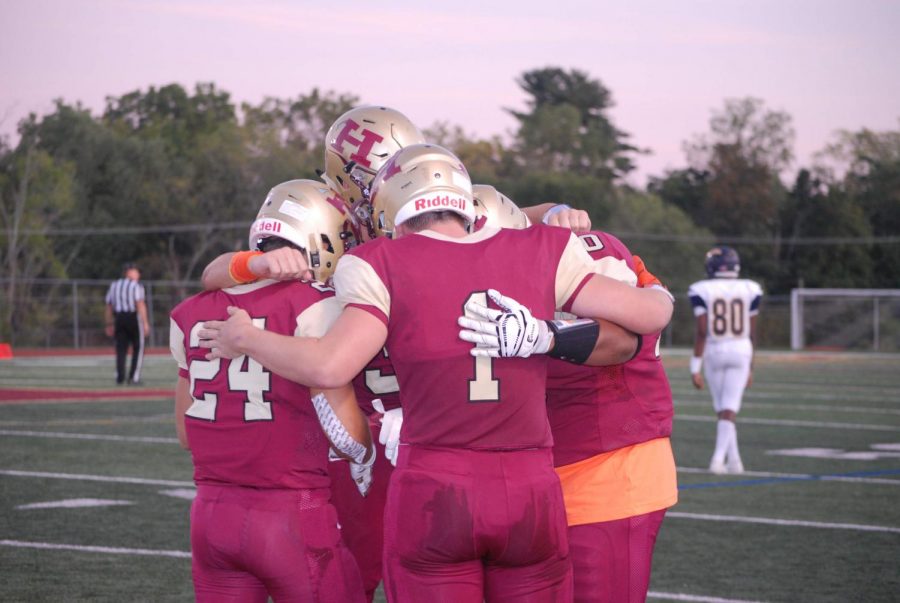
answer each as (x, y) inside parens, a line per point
(722, 262)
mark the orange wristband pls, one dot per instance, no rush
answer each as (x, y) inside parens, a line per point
(239, 267)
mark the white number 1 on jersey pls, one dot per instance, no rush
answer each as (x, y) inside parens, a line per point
(483, 388)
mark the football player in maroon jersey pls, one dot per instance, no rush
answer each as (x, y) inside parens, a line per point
(611, 427)
(476, 429)
(356, 146)
(262, 524)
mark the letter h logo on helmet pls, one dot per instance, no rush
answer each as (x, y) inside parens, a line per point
(363, 147)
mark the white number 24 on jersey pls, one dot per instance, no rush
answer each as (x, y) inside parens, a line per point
(254, 381)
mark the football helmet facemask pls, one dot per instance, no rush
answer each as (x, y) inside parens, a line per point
(418, 179)
(310, 216)
(493, 208)
(356, 146)
(722, 262)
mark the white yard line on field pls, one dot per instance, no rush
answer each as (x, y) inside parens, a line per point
(95, 549)
(152, 419)
(698, 598)
(791, 423)
(88, 436)
(784, 522)
(98, 478)
(75, 503)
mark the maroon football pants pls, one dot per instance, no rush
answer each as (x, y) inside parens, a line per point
(248, 544)
(611, 559)
(470, 526)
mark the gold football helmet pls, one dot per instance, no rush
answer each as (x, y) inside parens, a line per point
(357, 145)
(312, 217)
(496, 209)
(418, 179)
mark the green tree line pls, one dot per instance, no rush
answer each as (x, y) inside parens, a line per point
(195, 159)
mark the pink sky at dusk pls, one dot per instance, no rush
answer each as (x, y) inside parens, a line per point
(830, 64)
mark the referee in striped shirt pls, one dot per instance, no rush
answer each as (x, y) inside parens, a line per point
(126, 320)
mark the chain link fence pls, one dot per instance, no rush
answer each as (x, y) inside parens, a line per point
(54, 313)
(69, 313)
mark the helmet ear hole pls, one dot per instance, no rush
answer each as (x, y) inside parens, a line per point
(326, 243)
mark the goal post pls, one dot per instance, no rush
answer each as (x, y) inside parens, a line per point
(849, 319)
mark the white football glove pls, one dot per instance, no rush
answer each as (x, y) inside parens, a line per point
(391, 423)
(342, 441)
(512, 332)
(362, 473)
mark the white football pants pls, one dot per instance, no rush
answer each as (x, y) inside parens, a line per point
(726, 368)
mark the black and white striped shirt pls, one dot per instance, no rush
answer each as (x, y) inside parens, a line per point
(124, 294)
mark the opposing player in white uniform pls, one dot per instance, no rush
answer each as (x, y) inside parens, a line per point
(726, 308)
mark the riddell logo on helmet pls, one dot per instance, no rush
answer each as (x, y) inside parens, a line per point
(445, 201)
(268, 226)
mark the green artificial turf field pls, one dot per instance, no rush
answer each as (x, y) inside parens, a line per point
(814, 518)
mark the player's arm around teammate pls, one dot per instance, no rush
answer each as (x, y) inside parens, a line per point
(357, 335)
(289, 264)
(559, 214)
(282, 264)
(326, 362)
(341, 400)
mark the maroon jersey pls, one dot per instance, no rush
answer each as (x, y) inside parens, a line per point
(598, 409)
(418, 285)
(248, 426)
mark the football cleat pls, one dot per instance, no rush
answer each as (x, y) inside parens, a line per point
(735, 467)
(418, 179)
(717, 467)
(496, 209)
(722, 262)
(312, 217)
(357, 145)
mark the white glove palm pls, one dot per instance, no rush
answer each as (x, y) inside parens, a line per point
(512, 332)
(391, 423)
